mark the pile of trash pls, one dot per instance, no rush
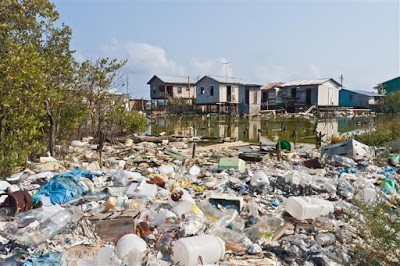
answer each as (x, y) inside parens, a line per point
(161, 204)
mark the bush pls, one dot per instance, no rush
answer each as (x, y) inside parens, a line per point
(378, 226)
(383, 130)
(392, 104)
(120, 121)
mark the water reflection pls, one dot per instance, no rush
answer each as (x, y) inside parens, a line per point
(254, 129)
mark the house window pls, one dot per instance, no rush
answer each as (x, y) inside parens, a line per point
(351, 98)
(179, 90)
(211, 90)
(202, 90)
(154, 91)
(187, 89)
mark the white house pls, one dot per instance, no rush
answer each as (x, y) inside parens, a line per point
(228, 95)
(305, 93)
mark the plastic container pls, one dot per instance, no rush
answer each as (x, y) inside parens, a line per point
(142, 190)
(308, 208)
(128, 243)
(198, 250)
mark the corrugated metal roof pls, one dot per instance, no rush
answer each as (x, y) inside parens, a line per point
(367, 93)
(271, 85)
(306, 82)
(388, 81)
(230, 80)
(173, 79)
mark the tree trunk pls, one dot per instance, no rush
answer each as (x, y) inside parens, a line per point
(53, 129)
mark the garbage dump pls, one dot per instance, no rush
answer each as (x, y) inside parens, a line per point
(162, 204)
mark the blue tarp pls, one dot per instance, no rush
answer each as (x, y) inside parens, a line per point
(65, 186)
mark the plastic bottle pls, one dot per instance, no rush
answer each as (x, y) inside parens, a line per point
(344, 161)
(25, 218)
(96, 196)
(229, 235)
(50, 227)
(253, 209)
(265, 228)
(325, 239)
(5, 213)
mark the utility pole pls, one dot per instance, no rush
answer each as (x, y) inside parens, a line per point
(127, 92)
(341, 80)
(226, 70)
(190, 100)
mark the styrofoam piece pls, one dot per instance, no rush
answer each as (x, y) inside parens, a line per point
(227, 199)
(232, 163)
(350, 148)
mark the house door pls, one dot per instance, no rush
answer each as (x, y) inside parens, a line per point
(308, 97)
(170, 90)
(247, 96)
(228, 93)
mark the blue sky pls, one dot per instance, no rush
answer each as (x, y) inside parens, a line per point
(264, 41)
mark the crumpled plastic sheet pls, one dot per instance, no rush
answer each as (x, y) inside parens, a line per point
(65, 187)
(49, 259)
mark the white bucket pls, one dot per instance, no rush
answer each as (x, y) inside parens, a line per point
(198, 250)
(308, 208)
(130, 242)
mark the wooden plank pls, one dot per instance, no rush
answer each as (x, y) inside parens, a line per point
(113, 230)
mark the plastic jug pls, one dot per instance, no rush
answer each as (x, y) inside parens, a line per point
(130, 246)
(198, 250)
(308, 208)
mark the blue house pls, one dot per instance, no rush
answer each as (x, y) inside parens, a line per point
(359, 99)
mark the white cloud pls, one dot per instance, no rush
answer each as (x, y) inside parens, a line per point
(213, 67)
(282, 73)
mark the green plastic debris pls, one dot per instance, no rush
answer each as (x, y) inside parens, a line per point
(284, 145)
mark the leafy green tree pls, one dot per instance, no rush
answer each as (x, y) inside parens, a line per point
(391, 103)
(36, 77)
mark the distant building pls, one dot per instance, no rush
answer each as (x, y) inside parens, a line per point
(269, 96)
(389, 86)
(228, 95)
(171, 90)
(305, 93)
(359, 99)
(138, 104)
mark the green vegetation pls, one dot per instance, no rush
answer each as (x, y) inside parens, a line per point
(378, 227)
(45, 94)
(385, 127)
(382, 130)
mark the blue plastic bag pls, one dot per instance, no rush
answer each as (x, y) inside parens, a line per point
(65, 187)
